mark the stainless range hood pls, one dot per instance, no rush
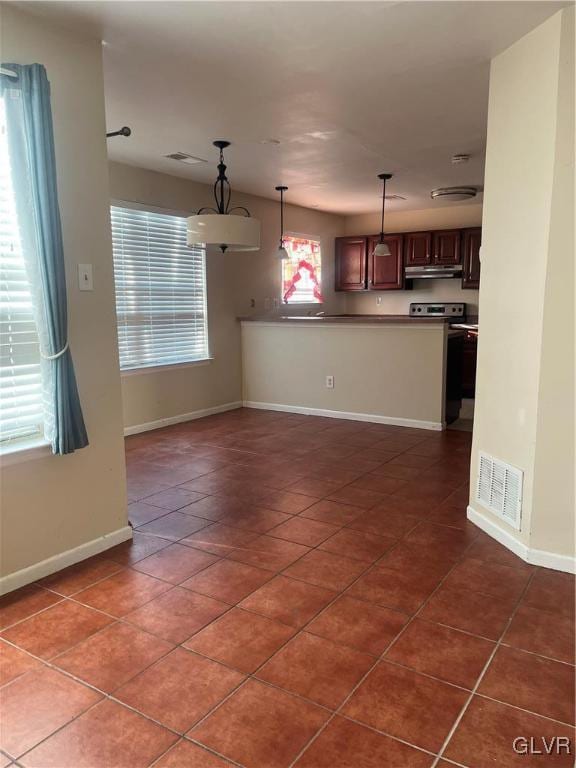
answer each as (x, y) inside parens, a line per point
(433, 270)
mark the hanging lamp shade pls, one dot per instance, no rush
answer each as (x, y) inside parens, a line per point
(382, 248)
(281, 252)
(228, 228)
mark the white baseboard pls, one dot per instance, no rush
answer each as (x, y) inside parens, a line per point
(552, 560)
(533, 556)
(181, 418)
(71, 556)
(502, 537)
(352, 415)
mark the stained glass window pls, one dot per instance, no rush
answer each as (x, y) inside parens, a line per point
(301, 273)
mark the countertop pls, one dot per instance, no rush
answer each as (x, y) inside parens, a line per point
(343, 319)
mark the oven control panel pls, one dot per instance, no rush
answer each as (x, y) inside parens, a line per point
(455, 309)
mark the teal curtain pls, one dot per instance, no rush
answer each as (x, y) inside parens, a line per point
(31, 148)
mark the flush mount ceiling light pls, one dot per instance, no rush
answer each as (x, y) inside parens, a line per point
(281, 252)
(221, 226)
(382, 248)
(453, 194)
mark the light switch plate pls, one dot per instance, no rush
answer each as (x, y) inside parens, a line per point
(85, 282)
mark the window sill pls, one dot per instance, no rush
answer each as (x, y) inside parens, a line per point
(24, 450)
(162, 368)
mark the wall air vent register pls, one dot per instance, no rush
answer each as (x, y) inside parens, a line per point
(499, 489)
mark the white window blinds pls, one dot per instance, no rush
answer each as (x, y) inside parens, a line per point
(160, 290)
(21, 396)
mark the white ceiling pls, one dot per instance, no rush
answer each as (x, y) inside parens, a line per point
(349, 89)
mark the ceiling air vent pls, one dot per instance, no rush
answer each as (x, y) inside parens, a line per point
(184, 158)
(499, 489)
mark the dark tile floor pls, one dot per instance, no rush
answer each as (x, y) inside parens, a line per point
(299, 591)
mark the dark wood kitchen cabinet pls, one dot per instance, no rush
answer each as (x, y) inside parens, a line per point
(418, 249)
(358, 269)
(386, 273)
(446, 246)
(351, 264)
(439, 247)
(471, 241)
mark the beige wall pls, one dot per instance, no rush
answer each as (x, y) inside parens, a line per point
(232, 280)
(442, 217)
(524, 383)
(391, 372)
(55, 503)
(398, 302)
(553, 500)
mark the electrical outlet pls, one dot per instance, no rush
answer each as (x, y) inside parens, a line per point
(252, 303)
(329, 382)
(378, 299)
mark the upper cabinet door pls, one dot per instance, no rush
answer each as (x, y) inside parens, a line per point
(418, 249)
(350, 263)
(471, 241)
(446, 246)
(386, 273)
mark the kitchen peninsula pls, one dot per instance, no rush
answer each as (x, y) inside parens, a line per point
(388, 369)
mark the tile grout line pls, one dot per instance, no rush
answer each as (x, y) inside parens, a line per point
(378, 661)
(210, 750)
(72, 596)
(523, 709)
(482, 674)
(299, 630)
(110, 696)
(124, 618)
(130, 567)
(252, 675)
(276, 573)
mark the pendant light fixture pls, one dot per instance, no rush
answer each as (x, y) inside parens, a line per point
(281, 252)
(221, 226)
(382, 248)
